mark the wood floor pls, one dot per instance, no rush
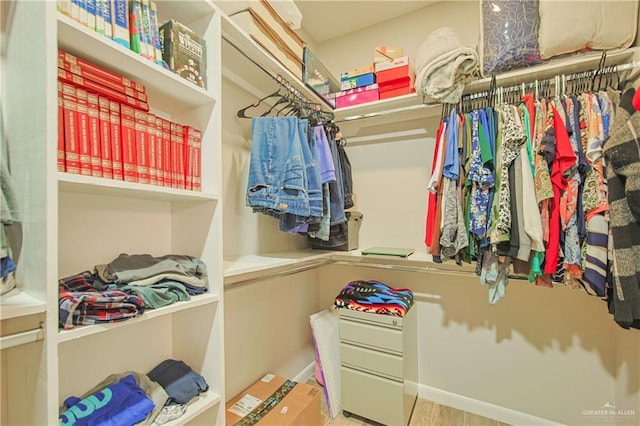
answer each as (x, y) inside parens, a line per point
(425, 413)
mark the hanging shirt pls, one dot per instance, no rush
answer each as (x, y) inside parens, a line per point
(451, 167)
(569, 205)
(562, 162)
(512, 139)
(594, 194)
(454, 234)
(432, 200)
(480, 175)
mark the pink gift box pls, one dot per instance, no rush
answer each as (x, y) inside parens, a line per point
(357, 96)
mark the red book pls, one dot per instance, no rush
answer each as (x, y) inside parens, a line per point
(182, 161)
(193, 138)
(96, 78)
(105, 136)
(71, 146)
(178, 154)
(187, 142)
(101, 90)
(94, 134)
(153, 147)
(83, 131)
(115, 136)
(95, 69)
(197, 160)
(166, 151)
(61, 156)
(142, 146)
(159, 152)
(175, 180)
(129, 161)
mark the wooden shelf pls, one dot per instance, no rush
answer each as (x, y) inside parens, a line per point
(196, 406)
(87, 330)
(249, 268)
(167, 91)
(17, 303)
(415, 106)
(69, 182)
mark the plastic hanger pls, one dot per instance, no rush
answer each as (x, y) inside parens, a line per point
(242, 113)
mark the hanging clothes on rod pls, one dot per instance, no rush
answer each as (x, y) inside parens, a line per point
(518, 183)
(299, 172)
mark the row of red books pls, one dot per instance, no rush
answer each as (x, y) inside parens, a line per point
(105, 130)
(100, 137)
(80, 72)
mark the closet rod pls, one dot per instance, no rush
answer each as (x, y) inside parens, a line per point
(409, 268)
(303, 268)
(22, 338)
(277, 78)
(613, 69)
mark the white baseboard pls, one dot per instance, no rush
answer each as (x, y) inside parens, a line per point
(460, 402)
(481, 408)
(306, 373)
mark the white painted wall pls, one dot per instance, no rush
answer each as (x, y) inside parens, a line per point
(407, 31)
(267, 329)
(549, 353)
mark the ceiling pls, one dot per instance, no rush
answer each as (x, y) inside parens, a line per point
(327, 19)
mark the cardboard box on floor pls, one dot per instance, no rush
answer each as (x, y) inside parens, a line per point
(300, 404)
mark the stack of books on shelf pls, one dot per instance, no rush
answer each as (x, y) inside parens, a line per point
(134, 25)
(105, 130)
(131, 23)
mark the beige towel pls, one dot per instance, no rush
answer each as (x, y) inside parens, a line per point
(443, 65)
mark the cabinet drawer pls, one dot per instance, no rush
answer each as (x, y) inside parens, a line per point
(373, 397)
(377, 337)
(375, 362)
(372, 318)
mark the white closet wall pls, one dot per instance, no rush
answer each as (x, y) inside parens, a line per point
(538, 355)
(532, 349)
(407, 31)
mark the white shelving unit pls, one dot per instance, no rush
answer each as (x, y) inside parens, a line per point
(72, 223)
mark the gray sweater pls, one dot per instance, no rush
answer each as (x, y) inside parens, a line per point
(622, 154)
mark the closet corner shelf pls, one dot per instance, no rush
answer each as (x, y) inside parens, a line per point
(69, 182)
(390, 105)
(417, 102)
(166, 90)
(248, 268)
(418, 261)
(17, 303)
(257, 266)
(199, 405)
(87, 330)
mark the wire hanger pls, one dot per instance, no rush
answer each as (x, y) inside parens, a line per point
(242, 113)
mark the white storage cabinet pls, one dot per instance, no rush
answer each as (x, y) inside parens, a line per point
(379, 365)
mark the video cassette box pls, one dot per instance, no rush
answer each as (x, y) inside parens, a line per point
(184, 52)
